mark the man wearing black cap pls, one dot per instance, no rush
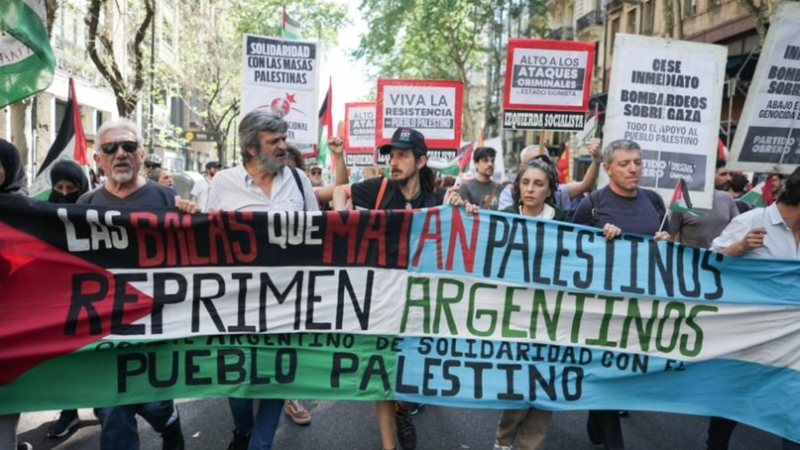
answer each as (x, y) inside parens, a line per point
(411, 183)
(482, 190)
(200, 189)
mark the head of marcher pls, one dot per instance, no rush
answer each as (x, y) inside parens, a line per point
(622, 161)
(212, 167)
(163, 177)
(722, 177)
(408, 159)
(12, 174)
(152, 162)
(535, 185)
(120, 153)
(68, 181)
(790, 196)
(262, 137)
(315, 175)
(527, 154)
(483, 157)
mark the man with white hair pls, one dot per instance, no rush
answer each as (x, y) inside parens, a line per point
(120, 154)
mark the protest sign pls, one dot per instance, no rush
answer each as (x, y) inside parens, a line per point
(434, 306)
(547, 84)
(665, 95)
(432, 107)
(359, 136)
(282, 76)
(768, 134)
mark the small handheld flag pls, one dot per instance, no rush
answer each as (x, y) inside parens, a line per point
(680, 201)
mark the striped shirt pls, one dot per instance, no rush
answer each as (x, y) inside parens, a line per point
(233, 190)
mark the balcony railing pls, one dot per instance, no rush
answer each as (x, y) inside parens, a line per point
(563, 33)
(593, 18)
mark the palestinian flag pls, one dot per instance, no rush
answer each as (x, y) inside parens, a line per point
(27, 63)
(289, 26)
(70, 143)
(755, 197)
(680, 200)
(325, 122)
(452, 167)
(589, 128)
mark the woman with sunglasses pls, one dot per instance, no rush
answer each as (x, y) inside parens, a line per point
(533, 195)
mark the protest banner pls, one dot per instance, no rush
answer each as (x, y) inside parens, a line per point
(768, 134)
(359, 136)
(434, 306)
(665, 95)
(282, 76)
(547, 84)
(432, 107)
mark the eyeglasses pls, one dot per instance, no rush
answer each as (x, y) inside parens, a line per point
(316, 172)
(109, 148)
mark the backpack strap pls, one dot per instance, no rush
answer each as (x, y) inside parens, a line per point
(594, 200)
(299, 186)
(657, 201)
(381, 193)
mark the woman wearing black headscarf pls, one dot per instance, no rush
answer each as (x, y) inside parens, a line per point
(12, 174)
(12, 182)
(68, 181)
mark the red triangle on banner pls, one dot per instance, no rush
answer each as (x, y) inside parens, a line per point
(36, 294)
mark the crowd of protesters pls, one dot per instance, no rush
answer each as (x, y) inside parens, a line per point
(273, 177)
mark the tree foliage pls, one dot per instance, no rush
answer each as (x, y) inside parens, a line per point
(429, 39)
(124, 70)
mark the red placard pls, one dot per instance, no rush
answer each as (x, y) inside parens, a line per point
(548, 75)
(432, 107)
(359, 133)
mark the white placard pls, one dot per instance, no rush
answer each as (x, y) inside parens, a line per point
(282, 76)
(666, 96)
(768, 136)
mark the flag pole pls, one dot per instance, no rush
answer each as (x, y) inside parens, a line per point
(664, 220)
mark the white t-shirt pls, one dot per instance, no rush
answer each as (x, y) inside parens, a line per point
(200, 190)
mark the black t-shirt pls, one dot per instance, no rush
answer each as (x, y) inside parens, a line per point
(631, 214)
(151, 195)
(365, 193)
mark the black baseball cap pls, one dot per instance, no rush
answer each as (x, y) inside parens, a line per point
(406, 138)
(211, 164)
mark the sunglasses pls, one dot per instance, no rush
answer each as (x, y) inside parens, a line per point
(110, 148)
(316, 172)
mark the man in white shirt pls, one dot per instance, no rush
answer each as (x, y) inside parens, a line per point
(200, 189)
(262, 183)
(771, 232)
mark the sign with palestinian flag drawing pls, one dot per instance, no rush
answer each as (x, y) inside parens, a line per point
(768, 135)
(282, 76)
(665, 95)
(359, 135)
(435, 306)
(432, 107)
(547, 84)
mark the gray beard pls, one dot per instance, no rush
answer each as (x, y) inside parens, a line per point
(268, 163)
(122, 178)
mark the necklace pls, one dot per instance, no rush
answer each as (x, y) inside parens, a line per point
(409, 200)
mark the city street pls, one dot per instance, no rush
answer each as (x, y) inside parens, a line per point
(351, 426)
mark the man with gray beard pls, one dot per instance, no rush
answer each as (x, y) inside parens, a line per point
(263, 182)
